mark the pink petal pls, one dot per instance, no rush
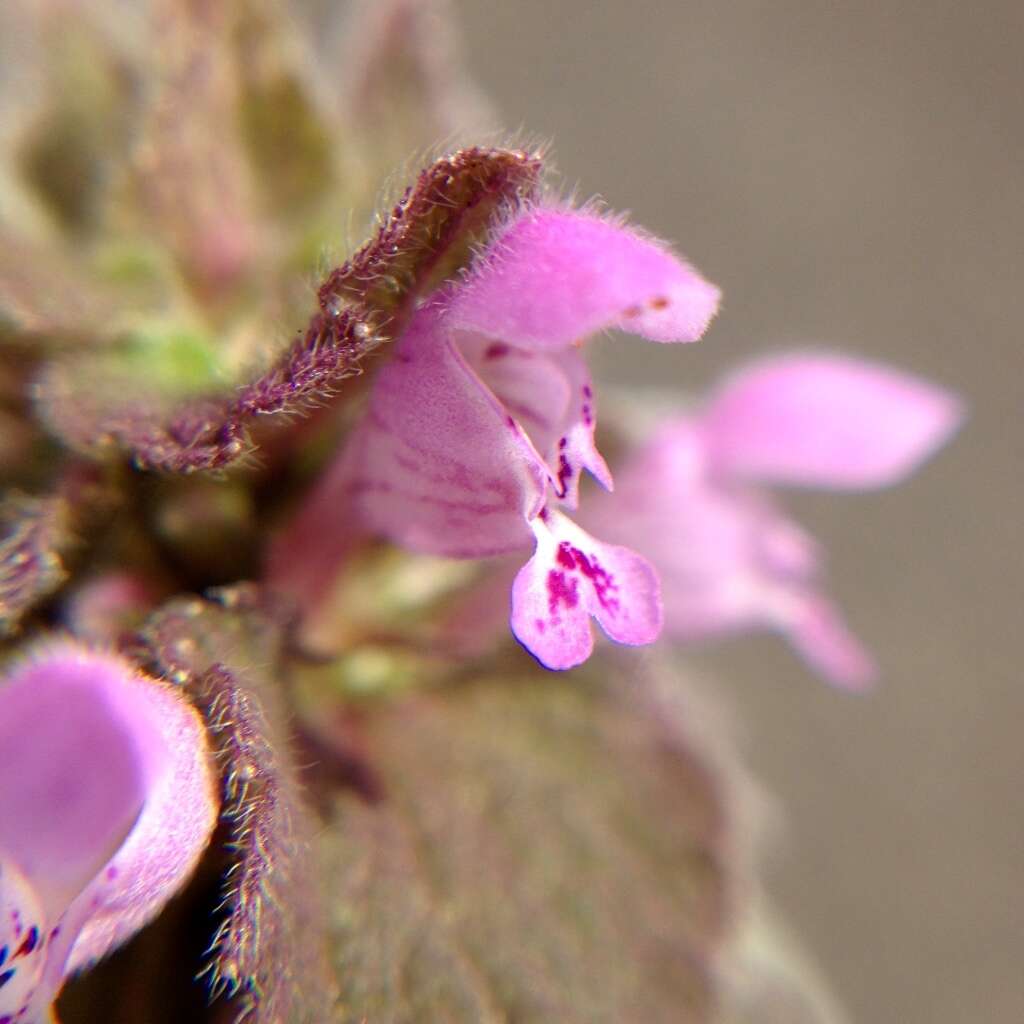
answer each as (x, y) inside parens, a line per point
(821, 637)
(551, 396)
(577, 450)
(437, 464)
(706, 553)
(75, 778)
(557, 275)
(699, 537)
(827, 421)
(108, 803)
(727, 559)
(571, 577)
(530, 386)
(171, 833)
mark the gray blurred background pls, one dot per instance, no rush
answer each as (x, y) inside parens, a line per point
(850, 174)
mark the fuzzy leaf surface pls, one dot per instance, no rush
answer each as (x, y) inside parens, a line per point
(541, 851)
(33, 534)
(268, 952)
(37, 532)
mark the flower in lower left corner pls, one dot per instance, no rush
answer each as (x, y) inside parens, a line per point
(109, 799)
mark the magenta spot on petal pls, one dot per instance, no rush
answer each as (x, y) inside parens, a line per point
(588, 416)
(496, 351)
(111, 873)
(540, 624)
(561, 591)
(588, 392)
(564, 475)
(509, 422)
(28, 943)
(600, 579)
(54, 934)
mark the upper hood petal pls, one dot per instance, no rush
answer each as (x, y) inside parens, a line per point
(557, 275)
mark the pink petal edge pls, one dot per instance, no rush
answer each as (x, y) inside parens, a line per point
(827, 421)
(555, 276)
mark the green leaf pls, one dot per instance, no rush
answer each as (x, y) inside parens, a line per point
(543, 851)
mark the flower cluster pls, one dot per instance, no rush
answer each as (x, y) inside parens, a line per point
(479, 428)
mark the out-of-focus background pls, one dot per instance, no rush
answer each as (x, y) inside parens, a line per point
(851, 174)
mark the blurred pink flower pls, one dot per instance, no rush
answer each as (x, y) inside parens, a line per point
(480, 425)
(107, 803)
(727, 557)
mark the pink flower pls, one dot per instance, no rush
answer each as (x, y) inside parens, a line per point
(728, 559)
(480, 426)
(107, 803)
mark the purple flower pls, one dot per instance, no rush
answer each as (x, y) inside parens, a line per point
(107, 803)
(727, 557)
(480, 426)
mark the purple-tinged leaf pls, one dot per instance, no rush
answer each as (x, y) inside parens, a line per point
(46, 298)
(429, 233)
(190, 184)
(404, 86)
(37, 532)
(81, 109)
(34, 531)
(285, 130)
(426, 237)
(268, 953)
(543, 850)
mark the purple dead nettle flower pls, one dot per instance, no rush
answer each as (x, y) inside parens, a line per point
(108, 801)
(481, 423)
(728, 558)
